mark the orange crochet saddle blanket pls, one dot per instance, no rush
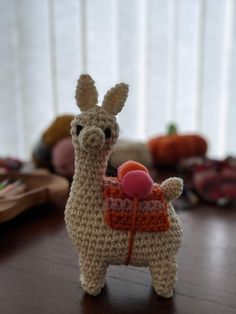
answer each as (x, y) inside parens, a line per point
(124, 213)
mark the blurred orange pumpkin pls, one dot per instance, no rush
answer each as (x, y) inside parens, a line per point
(171, 148)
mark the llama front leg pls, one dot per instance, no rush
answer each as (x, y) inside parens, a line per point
(92, 275)
(164, 277)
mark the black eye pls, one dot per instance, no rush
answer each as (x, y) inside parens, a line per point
(79, 128)
(107, 132)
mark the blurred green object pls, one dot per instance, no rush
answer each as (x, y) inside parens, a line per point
(172, 128)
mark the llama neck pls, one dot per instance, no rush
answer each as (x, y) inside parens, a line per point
(90, 170)
(86, 200)
(87, 186)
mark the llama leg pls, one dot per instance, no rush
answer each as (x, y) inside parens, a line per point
(92, 275)
(163, 277)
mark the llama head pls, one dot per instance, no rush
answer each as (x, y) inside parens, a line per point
(95, 128)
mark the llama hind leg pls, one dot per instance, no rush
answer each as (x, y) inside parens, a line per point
(164, 277)
(92, 276)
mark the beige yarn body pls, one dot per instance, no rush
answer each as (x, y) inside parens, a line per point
(98, 245)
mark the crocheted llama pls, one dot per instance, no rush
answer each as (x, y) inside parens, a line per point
(106, 226)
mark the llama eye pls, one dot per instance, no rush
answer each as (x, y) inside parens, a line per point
(79, 128)
(107, 133)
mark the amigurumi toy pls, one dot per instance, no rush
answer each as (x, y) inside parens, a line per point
(109, 221)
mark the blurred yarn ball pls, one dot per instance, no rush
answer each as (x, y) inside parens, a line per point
(56, 131)
(63, 157)
(125, 150)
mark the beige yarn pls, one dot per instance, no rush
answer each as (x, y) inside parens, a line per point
(86, 94)
(98, 245)
(125, 150)
(115, 98)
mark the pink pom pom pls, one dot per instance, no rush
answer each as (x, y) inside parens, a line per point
(63, 157)
(137, 183)
(128, 166)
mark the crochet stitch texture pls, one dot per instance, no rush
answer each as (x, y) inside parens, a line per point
(91, 229)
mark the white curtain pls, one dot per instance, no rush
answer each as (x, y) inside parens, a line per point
(178, 56)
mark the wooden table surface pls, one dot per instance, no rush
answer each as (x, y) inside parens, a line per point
(39, 272)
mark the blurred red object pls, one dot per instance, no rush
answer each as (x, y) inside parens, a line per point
(9, 164)
(213, 180)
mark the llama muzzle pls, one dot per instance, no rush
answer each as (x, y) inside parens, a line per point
(92, 138)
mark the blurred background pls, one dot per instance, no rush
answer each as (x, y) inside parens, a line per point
(178, 56)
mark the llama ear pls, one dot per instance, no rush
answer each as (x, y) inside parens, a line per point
(115, 98)
(172, 188)
(86, 94)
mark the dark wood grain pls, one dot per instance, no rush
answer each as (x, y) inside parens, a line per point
(39, 272)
